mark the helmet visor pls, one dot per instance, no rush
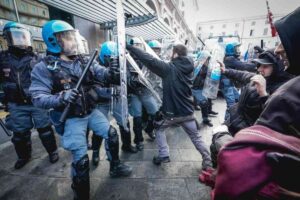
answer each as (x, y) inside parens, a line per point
(19, 37)
(71, 43)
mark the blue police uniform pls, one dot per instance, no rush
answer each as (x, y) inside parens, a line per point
(15, 69)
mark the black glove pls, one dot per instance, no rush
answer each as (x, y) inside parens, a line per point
(70, 96)
(114, 75)
(258, 49)
(134, 81)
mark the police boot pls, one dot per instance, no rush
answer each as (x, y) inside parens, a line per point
(150, 127)
(81, 179)
(204, 111)
(138, 131)
(126, 140)
(22, 143)
(96, 144)
(48, 140)
(117, 169)
(210, 111)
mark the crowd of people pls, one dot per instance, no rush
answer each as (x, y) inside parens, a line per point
(255, 154)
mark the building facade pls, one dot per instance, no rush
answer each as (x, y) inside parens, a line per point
(251, 31)
(174, 13)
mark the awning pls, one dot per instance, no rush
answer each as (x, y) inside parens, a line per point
(101, 11)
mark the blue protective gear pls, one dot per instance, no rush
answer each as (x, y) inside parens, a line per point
(48, 32)
(108, 49)
(155, 44)
(9, 25)
(230, 49)
(17, 35)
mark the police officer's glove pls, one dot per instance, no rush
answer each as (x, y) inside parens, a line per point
(113, 75)
(70, 96)
(159, 115)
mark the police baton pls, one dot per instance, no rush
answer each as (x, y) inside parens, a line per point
(63, 117)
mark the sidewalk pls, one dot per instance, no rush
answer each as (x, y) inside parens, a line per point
(40, 180)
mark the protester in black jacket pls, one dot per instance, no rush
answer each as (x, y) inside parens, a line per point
(177, 107)
(283, 107)
(252, 99)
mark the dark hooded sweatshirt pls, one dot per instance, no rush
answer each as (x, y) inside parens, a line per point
(282, 111)
(250, 105)
(177, 78)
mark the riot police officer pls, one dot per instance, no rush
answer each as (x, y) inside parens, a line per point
(53, 82)
(141, 97)
(15, 67)
(108, 58)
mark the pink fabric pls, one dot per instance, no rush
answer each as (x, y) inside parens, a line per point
(242, 168)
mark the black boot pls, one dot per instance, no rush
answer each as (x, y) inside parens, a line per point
(96, 145)
(48, 140)
(138, 131)
(117, 169)
(207, 122)
(22, 144)
(150, 127)
(210, 111)
(204, 112)
(81, 180)
(126, 140)
(158, 160)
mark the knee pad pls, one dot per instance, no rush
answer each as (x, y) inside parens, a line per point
(46, 132)
(112, 144)
(22, 144)
(21, 137)
(48, 139)
(113, 135)
(81, 168)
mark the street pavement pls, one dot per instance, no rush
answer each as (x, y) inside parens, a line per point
(40, 180)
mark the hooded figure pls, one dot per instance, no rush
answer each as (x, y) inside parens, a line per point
(269, 149)
(282, 109)
(250, 105)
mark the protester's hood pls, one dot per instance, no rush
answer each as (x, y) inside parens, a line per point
(288, 29)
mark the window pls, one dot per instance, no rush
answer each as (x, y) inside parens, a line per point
(224, 26)
(237, 25)
(251, 32)
(253, 23)
(266, 31)
(211, 27)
